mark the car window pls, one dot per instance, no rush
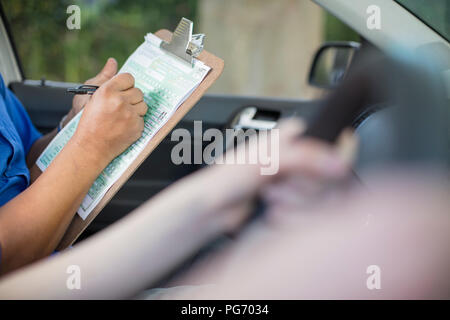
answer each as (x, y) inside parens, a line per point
(435, 13)
(267, 45)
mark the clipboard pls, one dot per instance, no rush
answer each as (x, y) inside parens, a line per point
(178, 39)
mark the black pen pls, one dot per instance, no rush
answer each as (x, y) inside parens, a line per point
(83, 89)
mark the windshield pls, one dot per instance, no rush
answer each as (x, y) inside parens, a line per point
(435, 13)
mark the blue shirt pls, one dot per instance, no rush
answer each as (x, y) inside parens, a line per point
(17, 135)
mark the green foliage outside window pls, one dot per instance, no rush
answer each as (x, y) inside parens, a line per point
(335, 30)
(108, 28)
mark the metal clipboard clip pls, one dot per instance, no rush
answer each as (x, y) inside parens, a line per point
(184, 44)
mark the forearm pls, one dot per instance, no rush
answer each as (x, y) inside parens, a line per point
(33, 223)
(37, 148)
(119, 271)
(145, 245)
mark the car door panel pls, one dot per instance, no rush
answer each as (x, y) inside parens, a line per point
(48, 104)
(45, 104)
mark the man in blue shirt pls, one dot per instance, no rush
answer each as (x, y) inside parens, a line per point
(17, 136)
(36, 208)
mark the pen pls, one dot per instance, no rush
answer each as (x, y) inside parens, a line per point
(83, 89)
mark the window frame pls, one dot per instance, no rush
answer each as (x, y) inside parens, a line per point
(444, 36)
(9, 54)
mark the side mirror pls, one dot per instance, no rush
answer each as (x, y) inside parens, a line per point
(331, 64)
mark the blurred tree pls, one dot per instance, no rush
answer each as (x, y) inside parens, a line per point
(108, 28)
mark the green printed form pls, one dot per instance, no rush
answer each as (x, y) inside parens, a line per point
(166, 82)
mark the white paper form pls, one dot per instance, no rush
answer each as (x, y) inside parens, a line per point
(166, 82)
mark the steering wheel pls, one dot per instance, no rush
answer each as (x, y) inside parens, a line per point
(416, 118)
(412, 94)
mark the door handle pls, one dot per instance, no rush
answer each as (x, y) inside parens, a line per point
(247, 118)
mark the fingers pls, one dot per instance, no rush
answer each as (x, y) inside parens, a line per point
(291, 128)
(123, 86)
(133, 95)
(108, 71)
(140, 128)
(140, 108)
(314, 158)
(347, 145)
(121, 82)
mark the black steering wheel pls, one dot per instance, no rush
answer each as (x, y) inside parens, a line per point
(417, 118)
(413, 92)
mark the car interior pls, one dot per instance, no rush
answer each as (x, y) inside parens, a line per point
(47, 102)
